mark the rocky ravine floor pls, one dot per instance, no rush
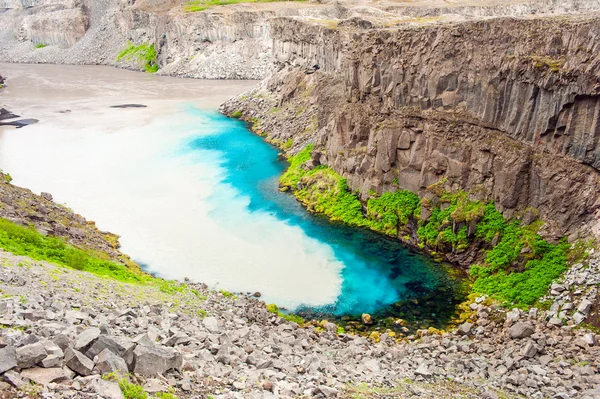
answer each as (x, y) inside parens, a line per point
(62, 328)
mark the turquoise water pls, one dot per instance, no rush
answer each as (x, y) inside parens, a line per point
(377, 272)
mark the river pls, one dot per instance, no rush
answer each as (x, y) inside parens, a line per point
(194, 194)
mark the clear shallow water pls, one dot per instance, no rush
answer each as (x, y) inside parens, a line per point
(376, 272)
(194, 194)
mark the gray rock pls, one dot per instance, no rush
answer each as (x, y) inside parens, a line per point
(521, 330)
(529, 350)
(557, 287)
(46, 196)
(107, 389)
(8, 359)
(328, 392)
(211, 324)
(152, 360)
(584, 307)
(465, 328)
(423, 371)
(15, 379)
(30, 355)
(578, 317)
(86, 339)
(555, 321)
(118, 345)
(108, 362)
(52, 361)
(144, 339)
(44, 376)
(78, 362)
(372, 365)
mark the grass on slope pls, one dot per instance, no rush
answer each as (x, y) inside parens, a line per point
(144, 53)
(517, 270)
(201, 5)
(28, 242)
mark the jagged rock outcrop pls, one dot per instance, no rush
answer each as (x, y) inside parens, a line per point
(504, 108)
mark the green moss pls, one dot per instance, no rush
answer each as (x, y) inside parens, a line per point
(201, 5)
(295, 171)
(288, 144)
(524, 288)
(236, 114)
(171, 287)
(40, 45)
(554, 64)
(517, 270)
(272, 308)
(228, 294)
(165, 395)
(491, 224)
(27, 241)
(391, 211)
(143, 53)
(132, 391)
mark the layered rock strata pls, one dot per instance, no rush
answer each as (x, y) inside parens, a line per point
(506, 109)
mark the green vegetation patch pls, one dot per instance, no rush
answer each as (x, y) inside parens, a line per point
(201, 5)
(390, 211)
(131, 390)
(518, 265)
(554, 64)
(143, 53)
(28, 242)
(272, 308)
(40, 45)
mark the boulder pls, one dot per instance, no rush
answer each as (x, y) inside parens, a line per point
(367, 319)
(86, 339)
(52, 361)
(211, 324)
(107, 389)
(108, 362)
(584, 307)
(117, 345)
(465, 328)
(78, 362)
(44, 376)
(423, 371)
(521, 330)
(30, 355)
(15, 379)
(529, 350)
(8, 359)
(152, 360)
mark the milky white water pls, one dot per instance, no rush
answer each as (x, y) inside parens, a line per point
(125, 169)
(195, 194)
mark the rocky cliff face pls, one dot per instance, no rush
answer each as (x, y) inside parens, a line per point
(220, 43)
(505, 108)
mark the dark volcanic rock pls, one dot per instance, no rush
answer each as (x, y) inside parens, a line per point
(129, 106)
(6, 114)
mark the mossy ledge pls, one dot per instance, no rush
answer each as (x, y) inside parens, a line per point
(509, 260)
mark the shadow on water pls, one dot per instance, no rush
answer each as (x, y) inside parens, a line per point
(380, 275)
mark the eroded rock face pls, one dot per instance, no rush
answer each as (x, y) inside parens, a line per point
(506, 109)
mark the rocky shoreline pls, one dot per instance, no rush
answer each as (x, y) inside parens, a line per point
(63, 328)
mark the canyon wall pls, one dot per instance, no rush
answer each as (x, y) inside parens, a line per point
(500, 102)
(504, 108)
